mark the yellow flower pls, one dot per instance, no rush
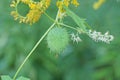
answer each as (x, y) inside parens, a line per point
(60, 5)
(15, 15)
(33, 16)
(13, 4)
(66, 2)
(32, 5)
(26, 1)
(75, 2)
(47, 3)
(97, 5)
(36, 10)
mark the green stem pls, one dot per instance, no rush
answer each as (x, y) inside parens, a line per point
(68, 26)
(49, 17)
(60, 23)
(32, 51)
(20, 67)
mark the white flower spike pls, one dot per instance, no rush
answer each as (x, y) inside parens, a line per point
(75, 37)
(97, 36)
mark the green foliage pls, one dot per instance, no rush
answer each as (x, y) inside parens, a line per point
(79, 21)
(22, 78)
(57, 39)
(6, 77)
(86, 60)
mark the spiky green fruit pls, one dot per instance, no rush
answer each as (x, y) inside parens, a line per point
(57, 39)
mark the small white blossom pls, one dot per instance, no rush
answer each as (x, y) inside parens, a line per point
(97, 36)
(75, 37)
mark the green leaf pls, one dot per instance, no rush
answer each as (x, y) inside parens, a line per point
(5, 77)
(22, 78)
(79, 21)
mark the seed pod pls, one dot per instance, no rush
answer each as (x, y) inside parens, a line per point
(57, 39)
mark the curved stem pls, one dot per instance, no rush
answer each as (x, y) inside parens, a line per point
(32, 51)
(20, 67)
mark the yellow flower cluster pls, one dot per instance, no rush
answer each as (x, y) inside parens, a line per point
(97, 5)
(35, 11)
(75, 3)
(25, 1)
(66, 3)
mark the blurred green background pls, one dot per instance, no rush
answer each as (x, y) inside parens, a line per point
(87, 60)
